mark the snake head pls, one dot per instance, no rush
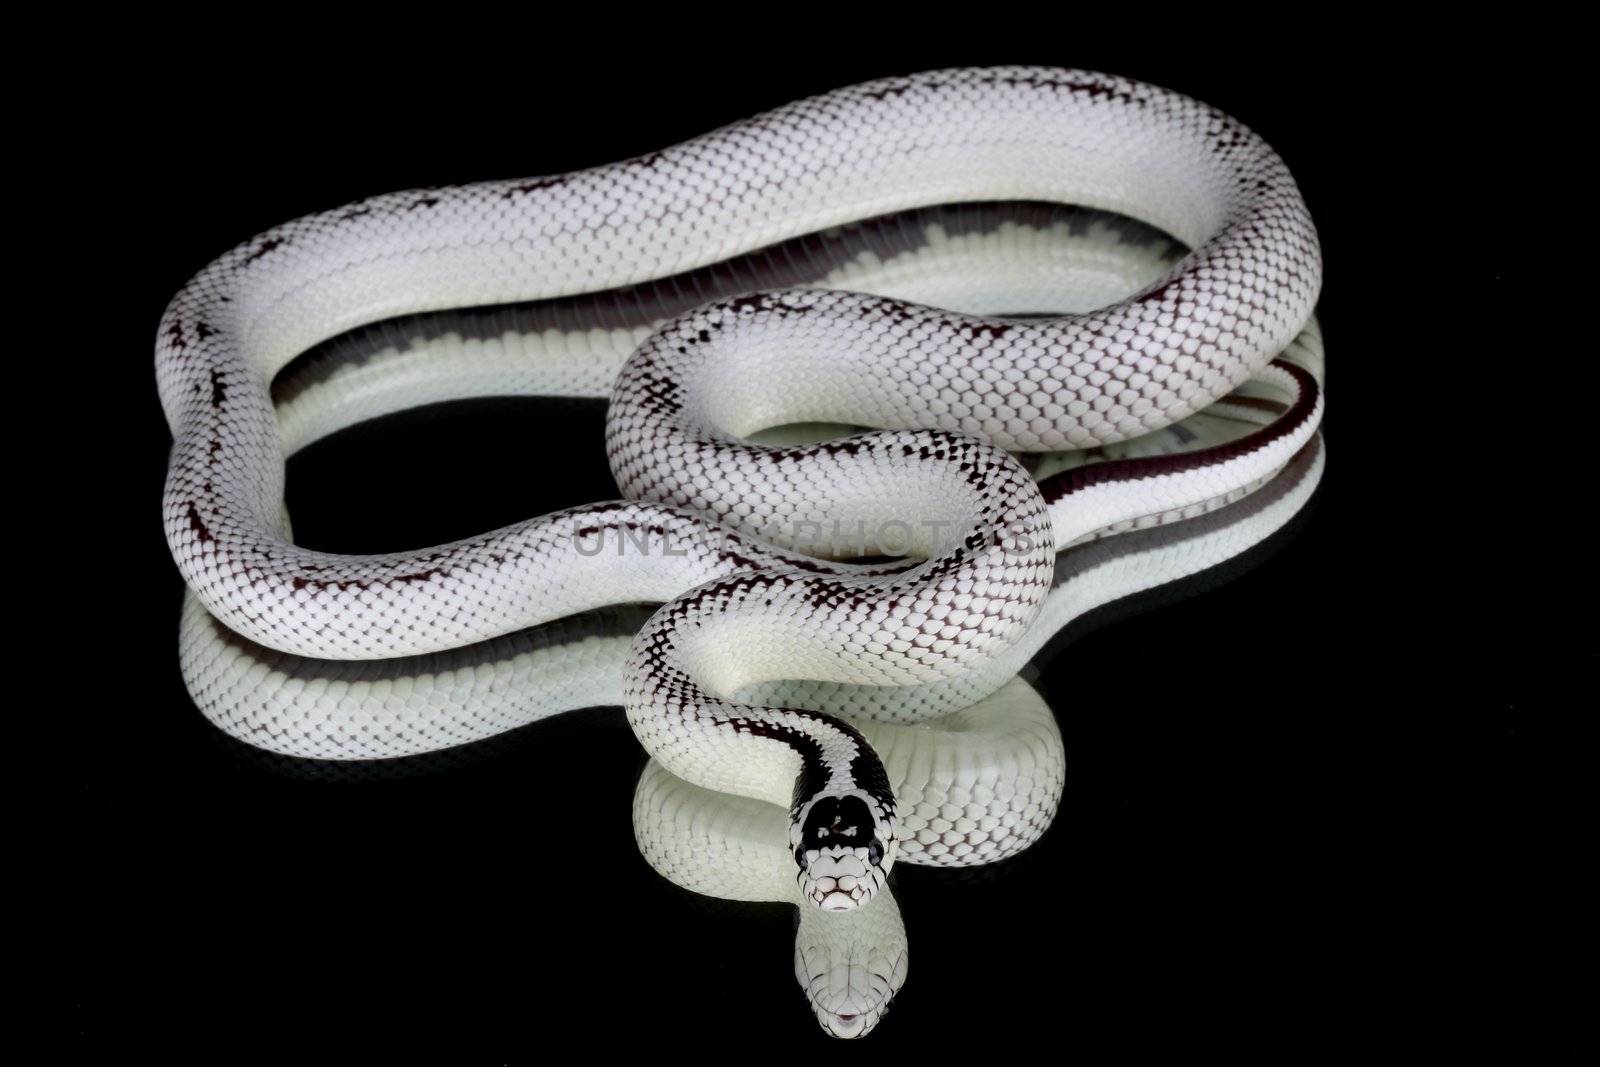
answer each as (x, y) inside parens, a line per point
(851, 964)
(844, 843)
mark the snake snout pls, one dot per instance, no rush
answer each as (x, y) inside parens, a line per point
(837, 880)
(849, 1026)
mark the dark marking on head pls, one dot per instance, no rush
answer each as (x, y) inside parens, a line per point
(840, 822)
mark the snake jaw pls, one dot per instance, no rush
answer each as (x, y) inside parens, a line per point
(848, 1026)
(844, 843)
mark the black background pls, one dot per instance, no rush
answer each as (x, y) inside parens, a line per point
(1263, 777)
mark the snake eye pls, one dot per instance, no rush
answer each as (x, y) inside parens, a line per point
(874, 852)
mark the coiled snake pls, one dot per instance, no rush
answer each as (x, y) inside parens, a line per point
(722, 530)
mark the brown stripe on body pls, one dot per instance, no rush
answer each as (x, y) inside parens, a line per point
(1120, 470)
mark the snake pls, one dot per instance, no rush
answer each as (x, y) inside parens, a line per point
(952, 538)
(976, 786)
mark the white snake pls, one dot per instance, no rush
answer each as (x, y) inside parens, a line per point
(975, 786)
(749, 604)
(981, 786)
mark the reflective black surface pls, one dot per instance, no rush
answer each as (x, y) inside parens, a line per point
(1238, 848)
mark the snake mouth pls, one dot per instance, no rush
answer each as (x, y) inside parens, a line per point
(849, 1026)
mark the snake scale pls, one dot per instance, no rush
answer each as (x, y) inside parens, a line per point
(954, 538)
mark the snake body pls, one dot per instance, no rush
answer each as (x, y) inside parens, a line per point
(974, 787)
(722, 528)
